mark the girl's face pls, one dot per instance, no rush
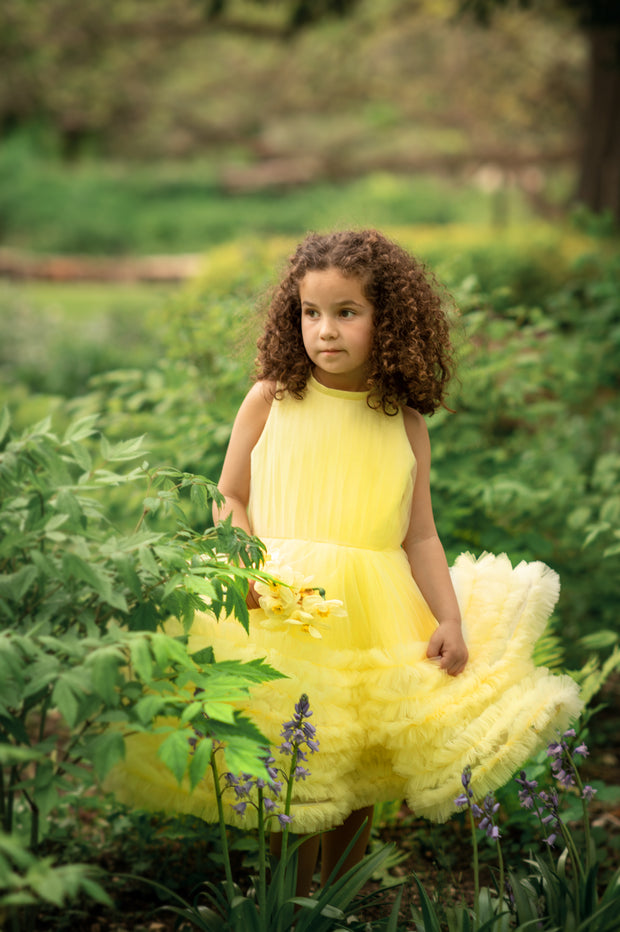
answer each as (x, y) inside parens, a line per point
(336, 327)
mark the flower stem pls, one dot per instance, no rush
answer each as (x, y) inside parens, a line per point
(262, 859)
(500, 861)
(285, 830)
(230, 886)
(586, 817)
(474, 842)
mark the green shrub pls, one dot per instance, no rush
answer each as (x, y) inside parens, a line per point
(81, 656)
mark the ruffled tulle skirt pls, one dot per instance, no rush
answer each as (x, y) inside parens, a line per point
(390, 723)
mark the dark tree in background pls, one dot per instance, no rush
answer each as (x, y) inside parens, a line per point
(599, 184)
(599, 174)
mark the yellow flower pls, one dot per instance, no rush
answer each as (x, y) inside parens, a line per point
(291, 599)
(323, 608)
(305, 626)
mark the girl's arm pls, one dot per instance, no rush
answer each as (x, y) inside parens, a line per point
(427, 559)
(234, 482)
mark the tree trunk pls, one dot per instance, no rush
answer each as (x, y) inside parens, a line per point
(599, 184)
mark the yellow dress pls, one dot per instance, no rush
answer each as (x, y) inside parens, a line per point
(330, 495)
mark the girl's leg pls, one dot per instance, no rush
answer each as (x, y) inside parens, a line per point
(333, 843)
(307, 854)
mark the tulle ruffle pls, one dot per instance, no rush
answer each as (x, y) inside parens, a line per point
(390, 723)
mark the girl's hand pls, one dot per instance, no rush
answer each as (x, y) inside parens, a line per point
(447, 646)
(251, 599)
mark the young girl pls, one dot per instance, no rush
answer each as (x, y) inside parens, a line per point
(426, 670)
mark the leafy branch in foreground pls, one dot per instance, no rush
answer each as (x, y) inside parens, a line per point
(81, 658)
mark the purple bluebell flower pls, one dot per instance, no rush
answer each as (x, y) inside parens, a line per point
(269, 804)
(485, 813)
(301, 773)
(240, 807)
(284, 819)
(302, 708)
(588, 792)
(526, 793)
(271, 770)
(276, 787)
(298, 732)
(490, 807)
(563, 757)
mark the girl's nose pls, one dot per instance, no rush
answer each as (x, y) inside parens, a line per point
(328, 329)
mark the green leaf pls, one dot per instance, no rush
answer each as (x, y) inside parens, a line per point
(199, 584)
(245, 745)
(144, 617)
(125, 450)
(10, 755)
(67, 503)
(141, 658)
(106, 750)
(125, 567)
(104, 665)
(14, 586)
(200, 761)
(203, 657)
(174, 752)
(191, 711)
(149, 707)
(65, 700)
(80, 429)
(169, 651)
(148, 562)
(56, 521)
(74, 565)
(81, 456)
(598, 640)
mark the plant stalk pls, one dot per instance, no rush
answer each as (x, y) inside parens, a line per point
(474, 842)
(230, 886)
(262, 862)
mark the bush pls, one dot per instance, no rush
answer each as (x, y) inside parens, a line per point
(81, 656)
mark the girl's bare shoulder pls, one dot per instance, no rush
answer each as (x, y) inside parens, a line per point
(256, 405)
(417, 431)
(262, 393)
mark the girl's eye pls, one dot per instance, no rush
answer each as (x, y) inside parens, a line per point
(346, 312)
(311, 312)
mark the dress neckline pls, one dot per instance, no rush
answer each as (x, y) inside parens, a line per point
(314, 383)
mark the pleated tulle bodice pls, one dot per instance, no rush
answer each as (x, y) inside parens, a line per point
(325, 477)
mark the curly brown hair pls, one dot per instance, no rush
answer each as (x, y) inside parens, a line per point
(411, 356)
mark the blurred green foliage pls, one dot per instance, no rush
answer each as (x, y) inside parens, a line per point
(373, 88)
(111, 208)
